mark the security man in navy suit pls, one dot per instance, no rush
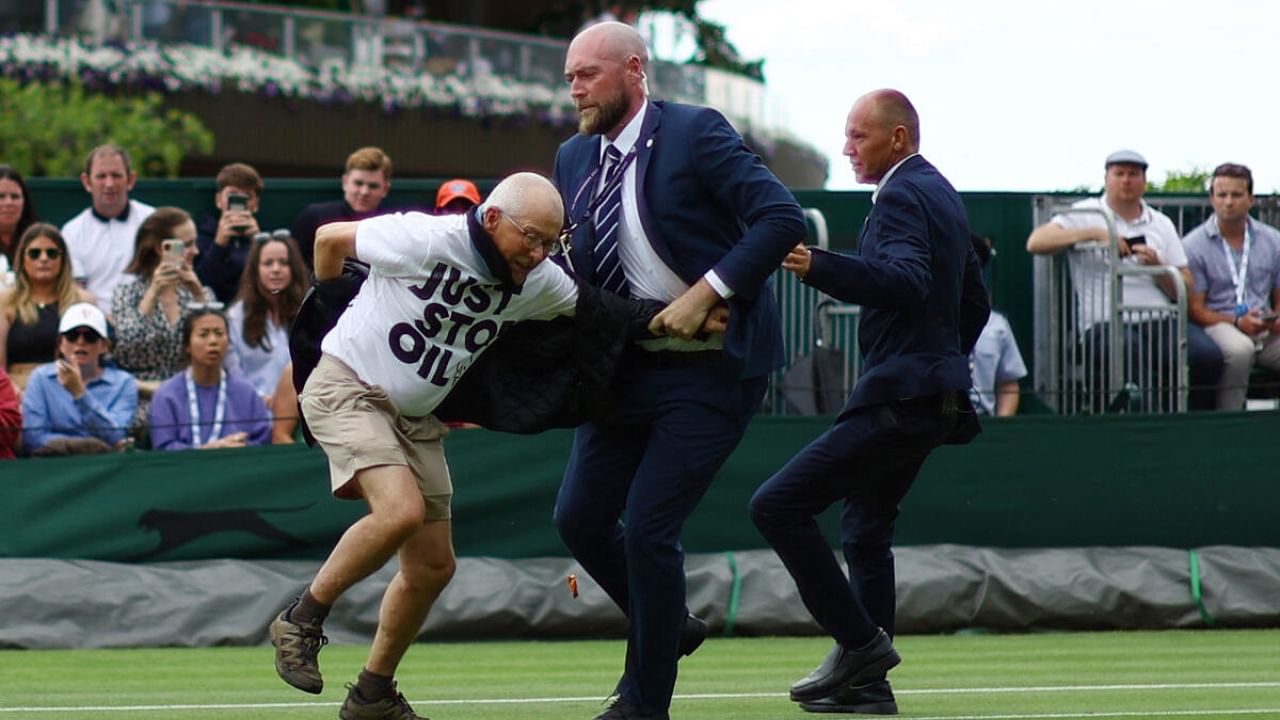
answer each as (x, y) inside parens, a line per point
(923, 306)
(664, 202)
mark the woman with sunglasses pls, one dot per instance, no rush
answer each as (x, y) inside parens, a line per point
(150, 309)
(205, 406)
(29, 310)
(17, 213)
(271, 289)
(75, 405)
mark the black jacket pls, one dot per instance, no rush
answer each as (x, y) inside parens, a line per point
(539, 374)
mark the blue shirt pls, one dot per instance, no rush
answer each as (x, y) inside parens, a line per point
(995, 360)
(105, 411)
(1211, 275)
(171, 413)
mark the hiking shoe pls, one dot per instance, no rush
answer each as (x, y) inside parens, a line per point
(297, 645)
(391, 708)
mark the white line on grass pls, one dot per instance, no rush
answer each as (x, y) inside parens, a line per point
(732, 696)
(1118, 714)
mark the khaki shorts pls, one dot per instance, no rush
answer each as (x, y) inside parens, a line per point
(359, 427)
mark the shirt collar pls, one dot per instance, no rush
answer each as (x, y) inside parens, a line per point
(876, 193)
(629, 136)
(1211, 226)
(122, 217)
(488, 249)
(1143, 217)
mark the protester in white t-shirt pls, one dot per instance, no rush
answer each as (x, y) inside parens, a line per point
(439, 292)
(101, 238)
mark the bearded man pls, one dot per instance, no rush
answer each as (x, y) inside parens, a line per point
(665, 203)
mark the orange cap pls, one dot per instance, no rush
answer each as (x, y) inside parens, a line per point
(457, 188)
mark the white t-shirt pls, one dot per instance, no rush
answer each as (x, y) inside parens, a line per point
(431, 306)
(260, 366)
(100, 251)
(1089, 260)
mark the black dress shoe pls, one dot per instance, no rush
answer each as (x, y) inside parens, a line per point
(694, 632)
(874, 698)
(844, 666)
(623, 709)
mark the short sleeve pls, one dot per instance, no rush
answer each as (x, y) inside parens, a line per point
(559, 295)
(1173, 253)
(398, 244)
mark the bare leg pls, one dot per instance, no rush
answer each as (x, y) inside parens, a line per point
(426, 566)
(397, 513)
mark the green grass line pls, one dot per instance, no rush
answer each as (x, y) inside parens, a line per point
(1201, 674)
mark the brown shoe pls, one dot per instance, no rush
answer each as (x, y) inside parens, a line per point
(390, 708)
(297, 648)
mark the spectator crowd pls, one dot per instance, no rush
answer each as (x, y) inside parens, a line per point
(135, 326)
(139, 326)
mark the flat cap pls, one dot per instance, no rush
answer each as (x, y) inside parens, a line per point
(1126, 157)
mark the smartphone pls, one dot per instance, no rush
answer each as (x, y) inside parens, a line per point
(1268, 318)
(238, 202)
(174, 250)
(1136, 241)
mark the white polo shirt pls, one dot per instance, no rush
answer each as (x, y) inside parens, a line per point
(431, 306)
(101, 250)
(1089, 261)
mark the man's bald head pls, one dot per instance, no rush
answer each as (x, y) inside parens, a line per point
(528, 196)
(605, 69)
(892, 108)
(614, 41)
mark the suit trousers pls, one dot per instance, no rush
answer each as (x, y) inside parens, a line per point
(681, 415)
(869, 459)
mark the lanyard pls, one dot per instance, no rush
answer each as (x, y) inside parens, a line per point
(592, 179)
(220, 410)
(1239, 276)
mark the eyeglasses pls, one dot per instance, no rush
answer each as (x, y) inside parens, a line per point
(52, 253)
(277, 234)
(550, 246)
(85, 334)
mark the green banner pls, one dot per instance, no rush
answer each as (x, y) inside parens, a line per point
(1174, 481)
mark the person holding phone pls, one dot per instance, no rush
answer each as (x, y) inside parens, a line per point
(1235, 270)
(224, 238)
(1144, 236)
(75, 405)
(150, 309)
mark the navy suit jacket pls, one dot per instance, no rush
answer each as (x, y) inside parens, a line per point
(705, 201)
(919, 283)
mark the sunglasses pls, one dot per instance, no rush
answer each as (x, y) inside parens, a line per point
(52, 253)
(277, 234)
(88, 335)
(212, 306)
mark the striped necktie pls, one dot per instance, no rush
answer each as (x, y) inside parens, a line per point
(609, 272)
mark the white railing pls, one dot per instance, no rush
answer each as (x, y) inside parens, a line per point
(315, 38)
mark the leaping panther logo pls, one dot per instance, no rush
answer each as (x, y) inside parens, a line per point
(178, 528)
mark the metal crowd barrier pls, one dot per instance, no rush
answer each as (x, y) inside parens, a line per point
(820, 340)
(1094, 351)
